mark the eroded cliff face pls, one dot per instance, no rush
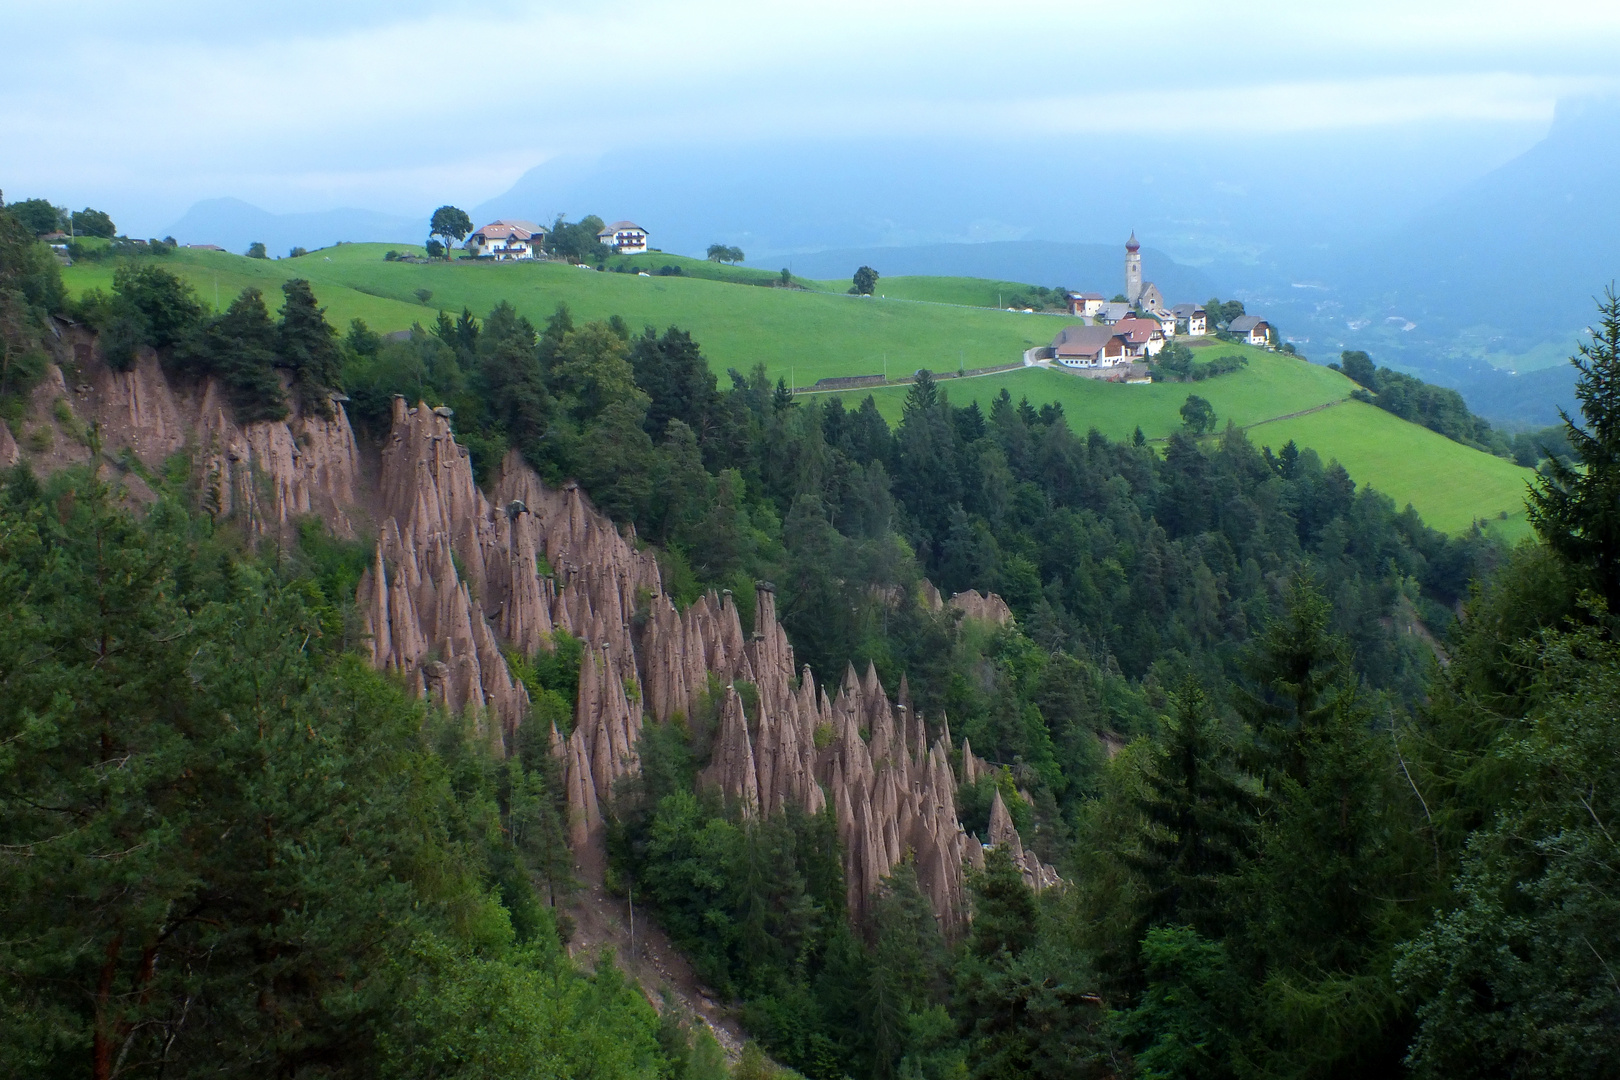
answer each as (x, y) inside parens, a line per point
(457, 573)
(264, 475)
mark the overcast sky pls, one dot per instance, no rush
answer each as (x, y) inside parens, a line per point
(397, 105)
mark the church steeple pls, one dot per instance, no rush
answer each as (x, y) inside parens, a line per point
(1133, 269)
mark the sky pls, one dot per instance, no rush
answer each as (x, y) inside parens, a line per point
(304, 105)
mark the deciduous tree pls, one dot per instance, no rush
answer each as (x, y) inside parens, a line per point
(451, 224)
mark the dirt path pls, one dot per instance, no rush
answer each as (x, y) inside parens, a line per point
(652, 960)
(1293, 415)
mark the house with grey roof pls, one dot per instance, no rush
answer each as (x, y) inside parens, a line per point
(1191, 319)
(1090, 347)
(624, 237)
(1252, 329)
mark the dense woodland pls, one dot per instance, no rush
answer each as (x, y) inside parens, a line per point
(1345, 831)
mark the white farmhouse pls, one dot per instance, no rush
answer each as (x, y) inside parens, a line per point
(507, 238)
(1193, 318)
(1086, 305)
(1144, 337)
(1253, 329)
(1090, 347)
(624, 237)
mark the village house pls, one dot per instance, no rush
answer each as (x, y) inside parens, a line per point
(1252, 329)
(1086, 305)
(1090, 347)
(1165, 319)
(1144, 337)
(507, 239)
(624, 237)
(1111, 313)
(1191, 319)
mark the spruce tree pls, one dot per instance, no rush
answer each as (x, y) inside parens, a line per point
(307, 344)
(1294, 672)
(239, 348)
(1197, 816)
(1576, 508)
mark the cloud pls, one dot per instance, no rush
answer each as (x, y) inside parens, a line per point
(302, 104)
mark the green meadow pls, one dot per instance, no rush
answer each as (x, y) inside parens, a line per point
(943, 324)
(1450, 484)
(1272, 385)
(1277, 398)
(799, 335)
(963, 291)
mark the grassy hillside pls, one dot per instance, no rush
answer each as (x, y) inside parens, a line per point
(804, 334)
(966, 291)
(218, 277)
(1450, 484)
(1271, 386)
(799, 335)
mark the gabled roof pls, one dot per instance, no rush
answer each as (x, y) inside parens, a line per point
(1087, 295)
(1183, 311)
(620, 226)
(1137, 330)
(1083, 340)
(511, 229)
(1245, 323)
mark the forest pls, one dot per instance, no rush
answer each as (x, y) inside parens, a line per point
(1333, 794)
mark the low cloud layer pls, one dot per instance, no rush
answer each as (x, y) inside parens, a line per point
(302, 105)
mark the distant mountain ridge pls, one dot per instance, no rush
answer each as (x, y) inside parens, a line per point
(1505, 269)
(234, 224)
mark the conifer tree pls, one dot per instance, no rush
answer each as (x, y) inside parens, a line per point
(239, 348)
(1295, 670)
(1576, 508)
(1197, 816)
(307, 344)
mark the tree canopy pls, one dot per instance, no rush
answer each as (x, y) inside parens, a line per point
(451, 224)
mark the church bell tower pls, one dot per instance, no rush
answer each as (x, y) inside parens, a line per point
(1133, 269)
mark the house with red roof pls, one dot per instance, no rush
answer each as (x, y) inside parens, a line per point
(507, 238)
(1144, 337)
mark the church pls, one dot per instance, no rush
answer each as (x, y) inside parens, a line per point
(1144, 295)
(1141, 296)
